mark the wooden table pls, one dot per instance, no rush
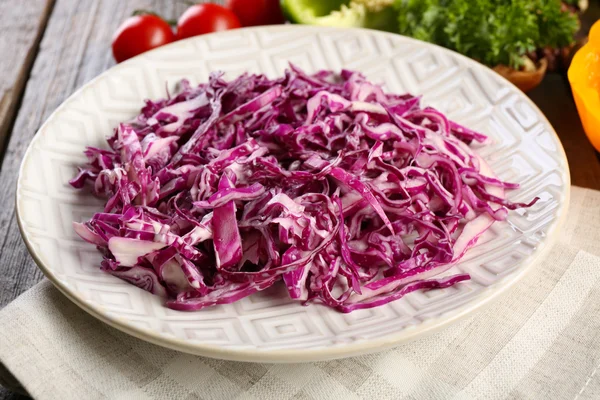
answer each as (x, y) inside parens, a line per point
(51, 47)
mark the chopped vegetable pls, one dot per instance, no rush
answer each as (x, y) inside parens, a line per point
(584, 77)
(350, 196)
(373, 14)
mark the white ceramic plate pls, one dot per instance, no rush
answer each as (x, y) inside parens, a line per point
(267, 327)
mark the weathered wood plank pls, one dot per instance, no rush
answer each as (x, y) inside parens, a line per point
(21, 27)
(75, 48)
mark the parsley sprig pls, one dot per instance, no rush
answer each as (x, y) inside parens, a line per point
(491, 31)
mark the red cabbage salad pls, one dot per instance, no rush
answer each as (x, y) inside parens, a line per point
(350, 196)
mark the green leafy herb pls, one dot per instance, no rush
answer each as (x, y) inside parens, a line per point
(490, 31)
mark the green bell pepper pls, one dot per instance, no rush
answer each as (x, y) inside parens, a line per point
(372, 14)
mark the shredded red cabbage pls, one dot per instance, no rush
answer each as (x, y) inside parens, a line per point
(351, 196)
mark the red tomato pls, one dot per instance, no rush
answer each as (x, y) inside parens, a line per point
(205, 18)
(257, 12)
(138, 34)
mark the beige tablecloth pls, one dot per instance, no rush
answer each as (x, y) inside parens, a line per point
(539, 341)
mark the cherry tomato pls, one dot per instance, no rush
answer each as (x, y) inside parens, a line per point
(205, 18)
(138, 34)
(257, 12)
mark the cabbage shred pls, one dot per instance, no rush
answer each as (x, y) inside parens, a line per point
(350, 196)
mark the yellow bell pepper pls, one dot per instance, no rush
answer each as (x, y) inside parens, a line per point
(584, 77)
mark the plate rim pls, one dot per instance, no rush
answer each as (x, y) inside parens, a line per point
(300, 355)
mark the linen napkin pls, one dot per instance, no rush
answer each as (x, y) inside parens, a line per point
(541, 340)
